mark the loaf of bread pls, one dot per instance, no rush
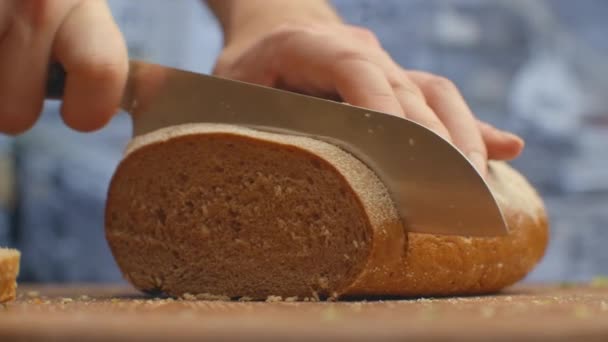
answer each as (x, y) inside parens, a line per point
(230, 211)
(9, 270)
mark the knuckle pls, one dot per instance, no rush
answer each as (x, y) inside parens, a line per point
(365, 34)
(286, 30)
(441, 85)
(283, 37)
(352, 55)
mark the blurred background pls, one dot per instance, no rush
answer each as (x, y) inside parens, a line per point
(536, 67)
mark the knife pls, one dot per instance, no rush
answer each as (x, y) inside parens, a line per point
(434, 186)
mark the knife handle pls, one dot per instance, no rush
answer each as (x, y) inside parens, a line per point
(55, 84)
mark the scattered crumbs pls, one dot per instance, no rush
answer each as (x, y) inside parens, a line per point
(291, 299)
(487, 312)
(66, 300)
(274, 299)
(114, 300)
(411, 141)
(33, 294)
(315, 297)
(424, 300)
(599, 282)
(508, 299)
(329, 314)
(355, 243)
(188, 296)
(245, 299)
(84, 297)
(604, 306)
(540, 301)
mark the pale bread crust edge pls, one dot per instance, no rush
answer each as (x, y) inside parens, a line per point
(9, 270)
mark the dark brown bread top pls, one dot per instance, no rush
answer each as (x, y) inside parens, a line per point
(231, 211)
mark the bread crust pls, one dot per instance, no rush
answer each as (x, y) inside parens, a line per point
(434, 265)
(9, 270)
(397, 263)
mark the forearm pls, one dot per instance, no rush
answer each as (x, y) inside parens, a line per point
(240, 18)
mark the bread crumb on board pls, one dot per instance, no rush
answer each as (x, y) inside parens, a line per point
(269, 299)
(33, 294)
(274, 299)
(204, 296)
(66, 300)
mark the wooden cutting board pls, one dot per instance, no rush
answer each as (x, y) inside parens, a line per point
(119, 313)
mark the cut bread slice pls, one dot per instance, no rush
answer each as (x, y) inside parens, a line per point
(230, 211)
(9, 270)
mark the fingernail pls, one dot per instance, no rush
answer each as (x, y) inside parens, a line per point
(479, 161)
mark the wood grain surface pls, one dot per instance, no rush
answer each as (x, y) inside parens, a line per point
(119, 313)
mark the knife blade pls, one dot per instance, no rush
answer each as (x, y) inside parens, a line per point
(435, 187)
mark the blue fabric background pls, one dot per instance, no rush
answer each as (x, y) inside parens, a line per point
(536, 67)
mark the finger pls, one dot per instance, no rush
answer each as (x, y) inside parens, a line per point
(23, 61)
(93, 53)
(501, 145)
(416, 109)
(408, 95)
(449, 105)
(361, 83)
(332, 64)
